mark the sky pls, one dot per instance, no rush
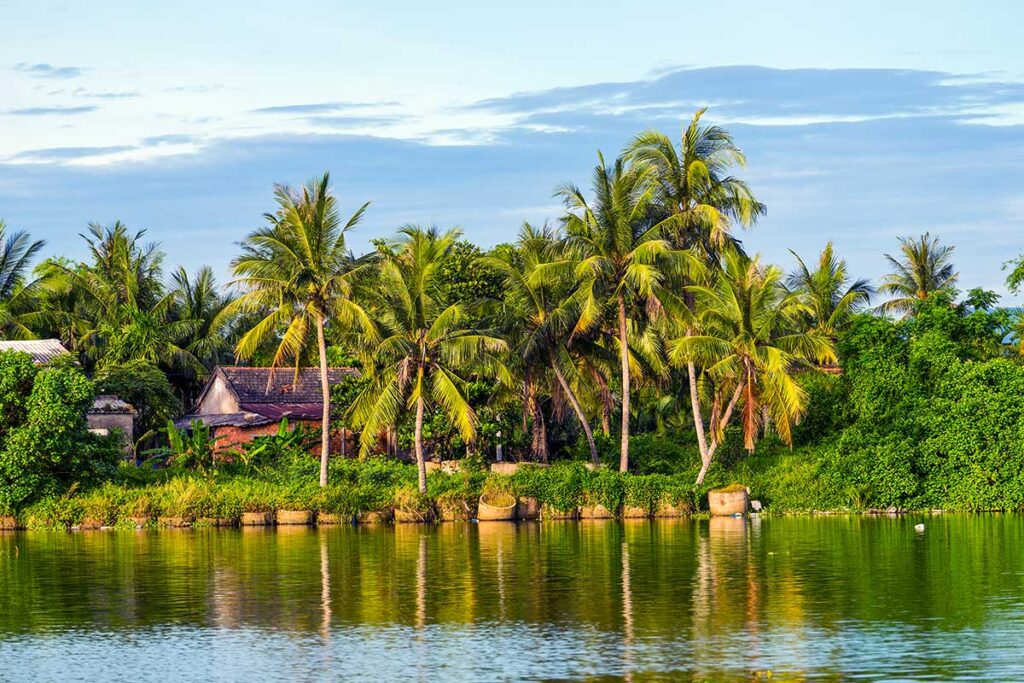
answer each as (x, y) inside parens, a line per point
(862, 122)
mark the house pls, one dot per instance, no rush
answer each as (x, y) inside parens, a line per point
(108, 412)
(241, 403)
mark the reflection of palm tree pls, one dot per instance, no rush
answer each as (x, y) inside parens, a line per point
(325, 586)
(627, 613)
(421, 583)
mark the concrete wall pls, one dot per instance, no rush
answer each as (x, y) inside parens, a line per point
(107, 423)
(218, 400)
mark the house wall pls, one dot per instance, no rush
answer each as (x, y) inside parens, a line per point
(234, 437)
(106, 423)
(218, 400)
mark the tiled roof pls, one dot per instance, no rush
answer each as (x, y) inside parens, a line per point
(41, 350)
(250, 384)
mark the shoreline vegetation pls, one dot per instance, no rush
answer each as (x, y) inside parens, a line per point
(634, 350)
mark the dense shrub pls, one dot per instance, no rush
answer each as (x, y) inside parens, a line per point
(50, 448)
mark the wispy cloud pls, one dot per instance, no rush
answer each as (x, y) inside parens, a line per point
(51, 111)
(64, 154)
(44, 70)
(322, 107)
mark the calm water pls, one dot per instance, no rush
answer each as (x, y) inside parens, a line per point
(804, 598)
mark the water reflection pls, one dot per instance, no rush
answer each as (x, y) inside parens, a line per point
(716, 599)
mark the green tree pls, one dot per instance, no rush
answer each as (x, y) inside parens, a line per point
(923, 269)
(541, 309)
(831, 297)
(298, 270)
(425, 344)
(51, 448)
(200, 299)
(698, 201)
(747, 341)
(117, 308)
(18, 298)
(625, 261)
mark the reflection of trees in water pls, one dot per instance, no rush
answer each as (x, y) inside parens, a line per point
(706, 578)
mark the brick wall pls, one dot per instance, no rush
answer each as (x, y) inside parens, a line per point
(234, 437)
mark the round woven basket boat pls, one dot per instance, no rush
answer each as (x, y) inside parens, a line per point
(496, 507)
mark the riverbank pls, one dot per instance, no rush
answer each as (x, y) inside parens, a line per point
(382, 491)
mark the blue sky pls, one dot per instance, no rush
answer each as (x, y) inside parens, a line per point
(862, 121)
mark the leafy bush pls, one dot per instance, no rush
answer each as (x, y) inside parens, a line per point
(644, 491)
(605, 487)
(51, 448)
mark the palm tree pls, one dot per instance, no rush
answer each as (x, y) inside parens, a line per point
(924, 269)
(698, 198)
(699, 201)
(424, 344)
(116, 309)
(298, 270)
(199, 298)
(624, 260)
(17, 298)
(538, 278)
(827, 290)
(744, 338)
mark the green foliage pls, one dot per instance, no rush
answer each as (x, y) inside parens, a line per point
(146, 388)
(51, 449)
(17, 373)
(828, 407)
(464, 277)
(653, 454)
(605, 487)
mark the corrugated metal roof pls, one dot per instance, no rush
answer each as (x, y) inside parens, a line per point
(42, 350)
(110, 404)
(223, 420)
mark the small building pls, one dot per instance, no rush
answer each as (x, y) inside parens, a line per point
(108, 412)
(241, 403)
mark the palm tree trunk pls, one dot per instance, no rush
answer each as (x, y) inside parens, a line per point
(624, 350)
(421, 465)
(578, 410)
(726, 416)
(325, 388)
(539, 445)
(698, 418)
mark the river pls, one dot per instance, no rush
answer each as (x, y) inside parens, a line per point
(830, 598)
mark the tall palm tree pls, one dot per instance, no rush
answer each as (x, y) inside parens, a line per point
(424, 344)
(828, 292)
(699, 201)
(298, 270)
(539, 298)
(925, 268)
(697, 196)
(17, 297)
(745, 340)
(624, 258)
